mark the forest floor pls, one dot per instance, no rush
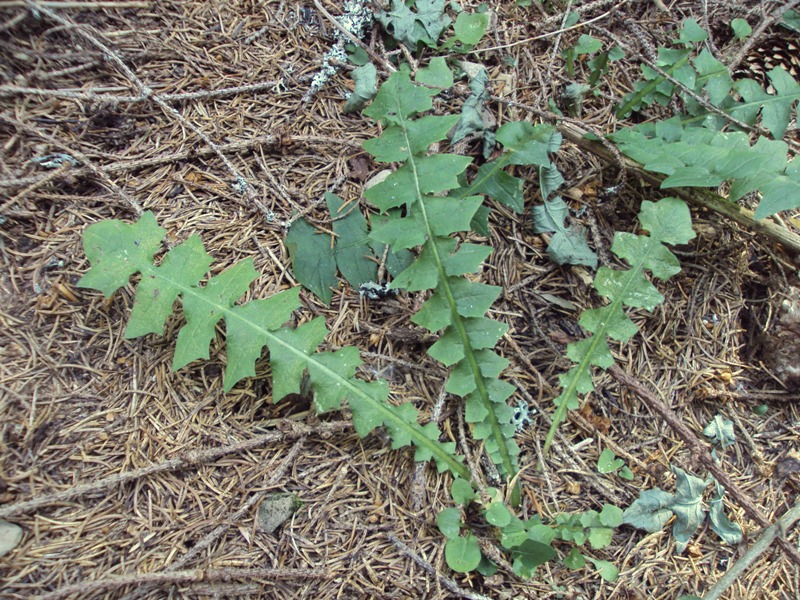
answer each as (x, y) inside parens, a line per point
(130, 480)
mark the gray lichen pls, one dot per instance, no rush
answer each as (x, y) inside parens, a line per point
(356, 19)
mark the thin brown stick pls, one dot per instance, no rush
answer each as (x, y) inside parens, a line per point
(700, 452)
(761, 545)
(445, 581)
(84, 588)
(232, 147)
(188, 459)
(90, 95)
(77, 154)
(87, 5)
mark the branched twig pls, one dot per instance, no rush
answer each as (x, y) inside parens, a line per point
(13, 90)
(189, 459)
(147, 92)
(134, 165)
(84, 588)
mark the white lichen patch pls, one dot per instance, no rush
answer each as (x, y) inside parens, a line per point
(356, 19)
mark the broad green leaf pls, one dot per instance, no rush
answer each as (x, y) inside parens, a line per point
(288, 365)
(462, 553)
(496, 183)
(462, 380)
(650, 511)
(394, 145)
(352, 253)
(529, 555)
(741, 29)
(610, 319)
(529, 144)
(574, 560)
(611, 516)
(366, 86)
(687, 506)
(399, 99)
(245, 327)
(630, 287)
(420, 275)
(587, 45)
(449, 522)
(293, 352)
(467, 259)
(325, 375)
(691, 32)
(667, 220)
(457, 306)
(497, 514)
(437, 74)
(462, 492)
(608, 463)
(313, 262)
(471, 119)
(600, 537)
(568, 245)
(550, 180)
(470, 27)
(424, 25)
(117, 250)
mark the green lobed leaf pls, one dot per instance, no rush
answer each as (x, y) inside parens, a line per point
(470, 27)
(118, 250)
(462, 492)
(471, 118)
(687, 506)
(424, 25)
(250, 326)
(497, 514)
(245, 327)
(529, 555)
(608, 462)
(605, 569)
(182, 268)
(351, 251)
(437, 74)
(720, 431)
(204, 307)
(398, 99)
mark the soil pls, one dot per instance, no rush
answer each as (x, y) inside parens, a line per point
(130, 480)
